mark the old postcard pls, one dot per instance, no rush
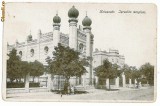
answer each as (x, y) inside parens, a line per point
(81, 52)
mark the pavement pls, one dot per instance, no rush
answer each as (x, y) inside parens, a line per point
(145, 94)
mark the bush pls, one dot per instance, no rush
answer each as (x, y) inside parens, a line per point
(21, 85)
(100, 86)
(15, 85)
(34, 84)
(143, 81)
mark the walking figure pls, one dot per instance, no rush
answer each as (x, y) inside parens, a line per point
(137, 86)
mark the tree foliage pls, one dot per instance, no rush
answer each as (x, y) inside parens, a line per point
(128, 72)
(107, 70)
(147, 71)
(131, 72)
(144, 73)
(25, 68)
(66, 62)
(36, 68)
(17, 69)
(14, 66)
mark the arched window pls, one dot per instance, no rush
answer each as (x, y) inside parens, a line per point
(20, 53)
(81, 47)
(46, 49)
(112, 60)
(32, 52)
(117, 61)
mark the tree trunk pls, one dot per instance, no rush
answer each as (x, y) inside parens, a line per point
(11, 79)
(20, 80)
(109, 85)
(16, 80)
(33, 79)
(24, 79)
(67, 86)
(38, 80)
(76, 80)
(58, 81)
(80, 78)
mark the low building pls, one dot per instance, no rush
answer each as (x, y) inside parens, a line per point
(112, 55)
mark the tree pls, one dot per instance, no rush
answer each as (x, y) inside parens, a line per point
(66, 62)
(25, 69)
(14, 66)
(36, 69)
(136, 75)
(131, 72)
(147, 71)
(17, 69)
(107, 71)
(128, 72)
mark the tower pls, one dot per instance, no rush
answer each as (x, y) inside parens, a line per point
(38, 40)
(73, 14)
(39, 35)
(89, 44)
(56, 29)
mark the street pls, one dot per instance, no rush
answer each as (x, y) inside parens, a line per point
(93, 95)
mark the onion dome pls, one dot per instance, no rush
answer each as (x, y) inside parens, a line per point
(56, 19)
(29, 38)
(86, 21)
(73, 12)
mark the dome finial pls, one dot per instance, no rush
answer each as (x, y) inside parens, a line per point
(86, 13)
(30, 31)
(57, 12)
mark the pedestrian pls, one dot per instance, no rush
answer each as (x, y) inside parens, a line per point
(137, 85)
(61, 93)
(140, 85)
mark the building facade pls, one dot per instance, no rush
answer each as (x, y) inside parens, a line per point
(112, 55)
(80, 39)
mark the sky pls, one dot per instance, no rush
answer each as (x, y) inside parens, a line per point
(134, 35)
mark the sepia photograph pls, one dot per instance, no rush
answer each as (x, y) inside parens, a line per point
(80, 52)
